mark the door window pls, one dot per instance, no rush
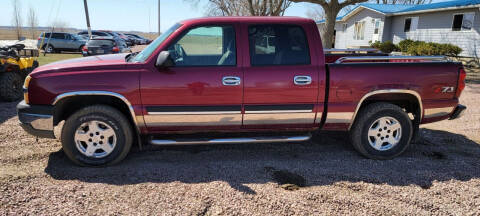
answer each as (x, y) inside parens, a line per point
(205, 46)
(278, 45)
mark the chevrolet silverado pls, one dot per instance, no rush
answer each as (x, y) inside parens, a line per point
(237, 80)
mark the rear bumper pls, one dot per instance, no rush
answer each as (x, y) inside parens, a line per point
(458, 112)
(36, 120)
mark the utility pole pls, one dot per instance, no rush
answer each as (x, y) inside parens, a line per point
(88, 18)
(158, 17)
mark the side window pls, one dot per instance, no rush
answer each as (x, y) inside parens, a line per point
(278, 45)
(205, 46)
(58, 36)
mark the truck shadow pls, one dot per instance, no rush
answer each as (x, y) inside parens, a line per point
(7, 110)
(328, 159)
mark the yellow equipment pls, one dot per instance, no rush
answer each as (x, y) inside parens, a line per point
(16, 63)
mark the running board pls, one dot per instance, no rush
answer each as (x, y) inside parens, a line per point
(232, 140)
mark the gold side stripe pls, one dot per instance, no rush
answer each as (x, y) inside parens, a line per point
(437, 112)
(339, 117)
(279, 111)
(194, 113)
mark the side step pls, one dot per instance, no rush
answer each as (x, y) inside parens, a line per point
(232, 140)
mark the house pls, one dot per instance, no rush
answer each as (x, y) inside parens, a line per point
(455, 22)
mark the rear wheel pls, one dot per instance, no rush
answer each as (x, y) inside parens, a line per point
(382, 131)
(97, 135)
(49, 49)
(11, 86)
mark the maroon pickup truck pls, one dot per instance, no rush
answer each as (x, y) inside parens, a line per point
(237, 80)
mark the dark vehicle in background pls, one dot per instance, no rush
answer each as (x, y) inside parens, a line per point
(128, 40)
(94, 33)
(59, 41)
(142, 39)
(104, 33)
(104, 45)
(136, 41)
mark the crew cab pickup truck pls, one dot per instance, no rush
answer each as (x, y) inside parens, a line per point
(237, 80)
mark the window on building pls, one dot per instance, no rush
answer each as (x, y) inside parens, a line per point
(359, 33)
(377, 26)
(463, 22)
(344, 27)
(278, 45)
(411, 24)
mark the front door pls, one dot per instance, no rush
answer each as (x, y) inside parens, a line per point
(281, 81)
(204, 88)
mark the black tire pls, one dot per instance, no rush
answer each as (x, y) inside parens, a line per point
(11, 86)
(367, 117)
(106, 114)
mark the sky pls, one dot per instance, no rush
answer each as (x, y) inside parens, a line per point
(118, 15)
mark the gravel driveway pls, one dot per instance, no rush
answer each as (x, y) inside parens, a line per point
(440, 174)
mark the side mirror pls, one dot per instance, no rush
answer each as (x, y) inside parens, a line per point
(164, 60)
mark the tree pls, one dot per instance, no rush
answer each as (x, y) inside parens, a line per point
(17, 18)
(32, 21)
(246, 7)
(60, 26)
(331, 9)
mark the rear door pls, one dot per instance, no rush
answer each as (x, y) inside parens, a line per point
(203, 90)
(281, 78)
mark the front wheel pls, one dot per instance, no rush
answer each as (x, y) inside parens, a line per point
(382, 131)
(97, 135)
(11, 86)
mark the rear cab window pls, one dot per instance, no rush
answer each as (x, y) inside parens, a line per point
(278, 45)
(100, 43)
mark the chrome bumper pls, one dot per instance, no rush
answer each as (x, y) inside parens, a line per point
(37, 120)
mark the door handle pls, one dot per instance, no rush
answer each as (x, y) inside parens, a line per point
(302, 80)
(231, 81)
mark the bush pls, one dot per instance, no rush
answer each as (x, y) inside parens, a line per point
(419, 48)
(403, 45)
(385, 47)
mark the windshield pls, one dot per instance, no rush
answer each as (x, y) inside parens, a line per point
(142, 56)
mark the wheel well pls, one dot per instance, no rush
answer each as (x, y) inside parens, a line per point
(410, 103)
(69, 105)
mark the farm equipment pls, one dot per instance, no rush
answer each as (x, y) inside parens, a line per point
(16, 63)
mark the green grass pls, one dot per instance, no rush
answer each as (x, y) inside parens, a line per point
(49, 58)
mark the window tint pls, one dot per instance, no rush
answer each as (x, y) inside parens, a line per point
(205, 46)
(100, 43)
(58, 36)
(278, 45)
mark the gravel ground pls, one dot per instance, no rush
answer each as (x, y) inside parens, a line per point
(440, 174)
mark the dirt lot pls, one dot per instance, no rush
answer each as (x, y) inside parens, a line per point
(440, 174)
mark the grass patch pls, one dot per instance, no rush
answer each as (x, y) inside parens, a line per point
(49, 58)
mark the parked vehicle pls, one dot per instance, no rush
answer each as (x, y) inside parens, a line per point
(216, 75)
(16, 63)
(104, 45)
(94, 33)
(143, 40)
(128, 40)
(136, 41)
(60, 41)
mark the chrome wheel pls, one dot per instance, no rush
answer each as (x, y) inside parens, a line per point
(385, 133)
(95, 139)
